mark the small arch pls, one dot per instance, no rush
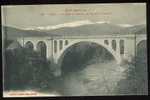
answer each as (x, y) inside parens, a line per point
(66, 42)
(138, 41)
(114, 44)
(121, 45)
(41, 49)
(141, 51)
(106, 42)
(29, 45)
(142, 41)
(142, 44)
(55, 46)
(60, 44)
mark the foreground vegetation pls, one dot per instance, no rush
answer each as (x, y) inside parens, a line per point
(25, 69)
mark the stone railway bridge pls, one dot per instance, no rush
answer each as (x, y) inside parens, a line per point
(122, 47)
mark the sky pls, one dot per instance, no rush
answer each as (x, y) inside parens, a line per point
(26, 16)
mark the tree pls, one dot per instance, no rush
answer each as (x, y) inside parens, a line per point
(26, 69)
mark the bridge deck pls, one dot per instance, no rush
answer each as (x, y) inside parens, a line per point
(86, 37)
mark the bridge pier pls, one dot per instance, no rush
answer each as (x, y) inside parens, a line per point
(34, 46)
(55, 68)
(130, 49)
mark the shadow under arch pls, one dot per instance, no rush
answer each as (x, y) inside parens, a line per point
(29, 45)
(89, 43)
(41, 49)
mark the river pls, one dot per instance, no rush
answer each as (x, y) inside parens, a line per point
(95, 79)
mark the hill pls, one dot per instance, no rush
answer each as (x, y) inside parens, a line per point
(138, 29)
(13, 33)
(89, 29)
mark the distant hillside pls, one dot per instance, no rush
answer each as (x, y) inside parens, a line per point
(141, 31)
(137, 29)
(13, 33)
(91, 29)
(97, 29)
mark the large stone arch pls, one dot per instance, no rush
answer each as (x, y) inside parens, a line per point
(61, 53)
(41, 48)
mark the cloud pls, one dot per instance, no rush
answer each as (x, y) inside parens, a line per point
(125, 25)
(101, 22)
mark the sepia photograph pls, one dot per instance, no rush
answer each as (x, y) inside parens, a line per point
(52, 50)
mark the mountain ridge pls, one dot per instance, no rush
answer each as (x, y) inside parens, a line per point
(88, 29)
